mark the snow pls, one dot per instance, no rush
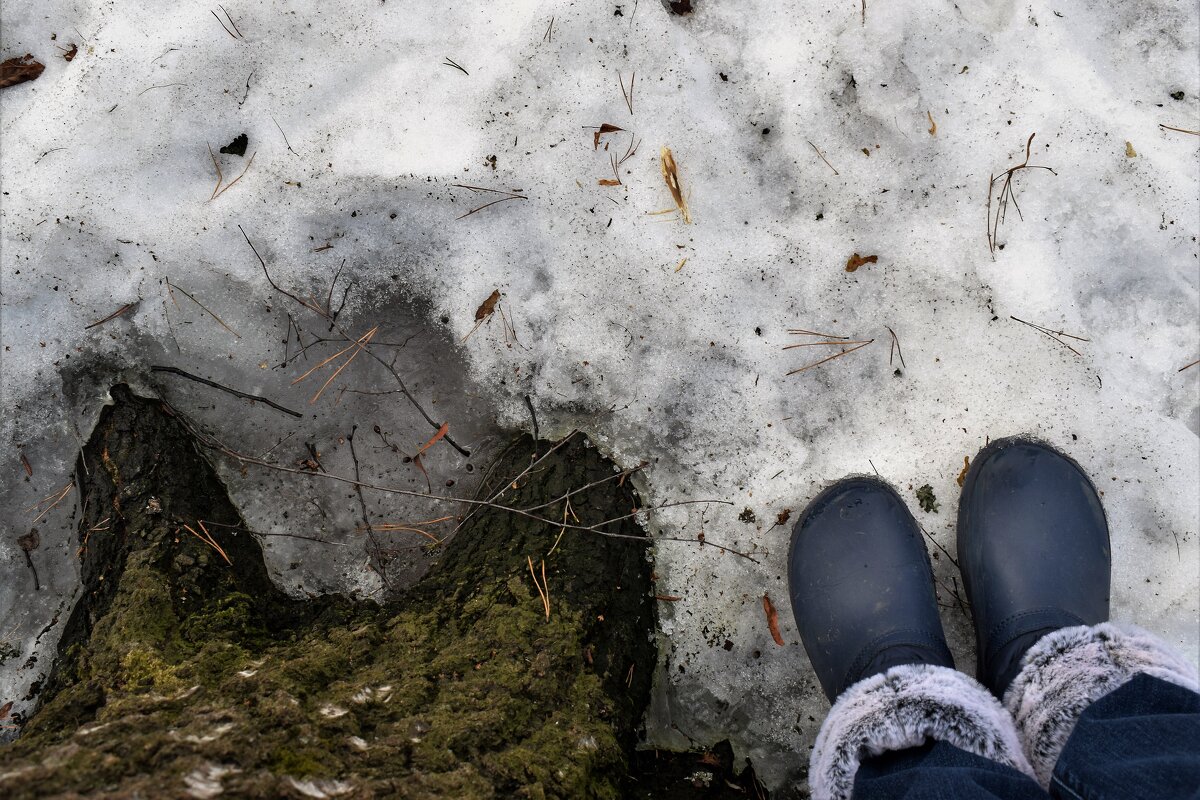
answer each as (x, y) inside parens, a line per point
(684, 368)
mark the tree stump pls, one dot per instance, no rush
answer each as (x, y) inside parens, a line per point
(184, 672)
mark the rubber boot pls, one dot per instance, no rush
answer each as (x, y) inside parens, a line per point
(1033, 548)
(862, 587)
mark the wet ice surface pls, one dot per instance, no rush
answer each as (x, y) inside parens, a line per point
(683, 367)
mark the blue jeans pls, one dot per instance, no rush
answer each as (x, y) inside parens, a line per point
(1140, 742)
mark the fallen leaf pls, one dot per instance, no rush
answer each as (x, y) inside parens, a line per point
(671, 176)
(603, 129)
(783, 517)
(772, 620)
(608, 182)
(932, 124)
(1129, 151)
(4, 709)
(962, 476)
(485, 310)
(855, 261)
(238, 146)
(30, 541)
(71, 53)
(19, 70)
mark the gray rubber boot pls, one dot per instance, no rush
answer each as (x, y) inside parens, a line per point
(862, 587)
(1033, 548)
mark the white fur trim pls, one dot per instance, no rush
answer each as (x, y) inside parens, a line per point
(902, 708)
(1068, 670)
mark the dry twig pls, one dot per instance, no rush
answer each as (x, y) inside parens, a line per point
(208, 539)
(113, 315)
(507, 195)
(252, 397)
(1053, 334)
(170, 290)
(1006, 194)
(823, 158)
(826, 339)
(627, 94)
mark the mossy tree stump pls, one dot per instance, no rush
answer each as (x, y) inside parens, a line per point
(182, 675)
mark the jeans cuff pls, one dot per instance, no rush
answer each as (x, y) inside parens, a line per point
(1068, 670)
(902, 708)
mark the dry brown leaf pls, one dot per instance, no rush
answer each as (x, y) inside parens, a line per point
(671, 176)
(485, 310)
(608, 182)
(932, 124)
(783, 517)
(70, 54)
(603, 129)
(962, 476)
(855, 261)
(4, 709)
(19, 70)
(772, 620)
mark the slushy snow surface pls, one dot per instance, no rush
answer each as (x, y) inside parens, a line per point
(802, 133)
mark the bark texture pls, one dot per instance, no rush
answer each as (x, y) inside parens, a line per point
(184, 675)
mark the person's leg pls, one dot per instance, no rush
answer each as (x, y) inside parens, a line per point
(862, 593)
(1033, 547)
(1109, 712)
(940, 771)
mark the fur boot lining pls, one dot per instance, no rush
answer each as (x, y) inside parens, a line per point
(1068, 670)
(903, 708)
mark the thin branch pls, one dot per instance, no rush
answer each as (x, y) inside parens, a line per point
(895, 348)
(212, 444)
(628, 95)
(238, 178)
(159, 86)
(113, 315)
(221, 322)
(507, 196)
(815, 333)
(284, 135)
(252, 397)
(831, 358)
(823, 158)
(1053, 334)
(231, 20)
(1007, 193)
(392, 370)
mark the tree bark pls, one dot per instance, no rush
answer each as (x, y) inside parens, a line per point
(184, 672)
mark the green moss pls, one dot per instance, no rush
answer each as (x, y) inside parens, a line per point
(142, 668)
(298, 764)
(927, 499)
(463, 688)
